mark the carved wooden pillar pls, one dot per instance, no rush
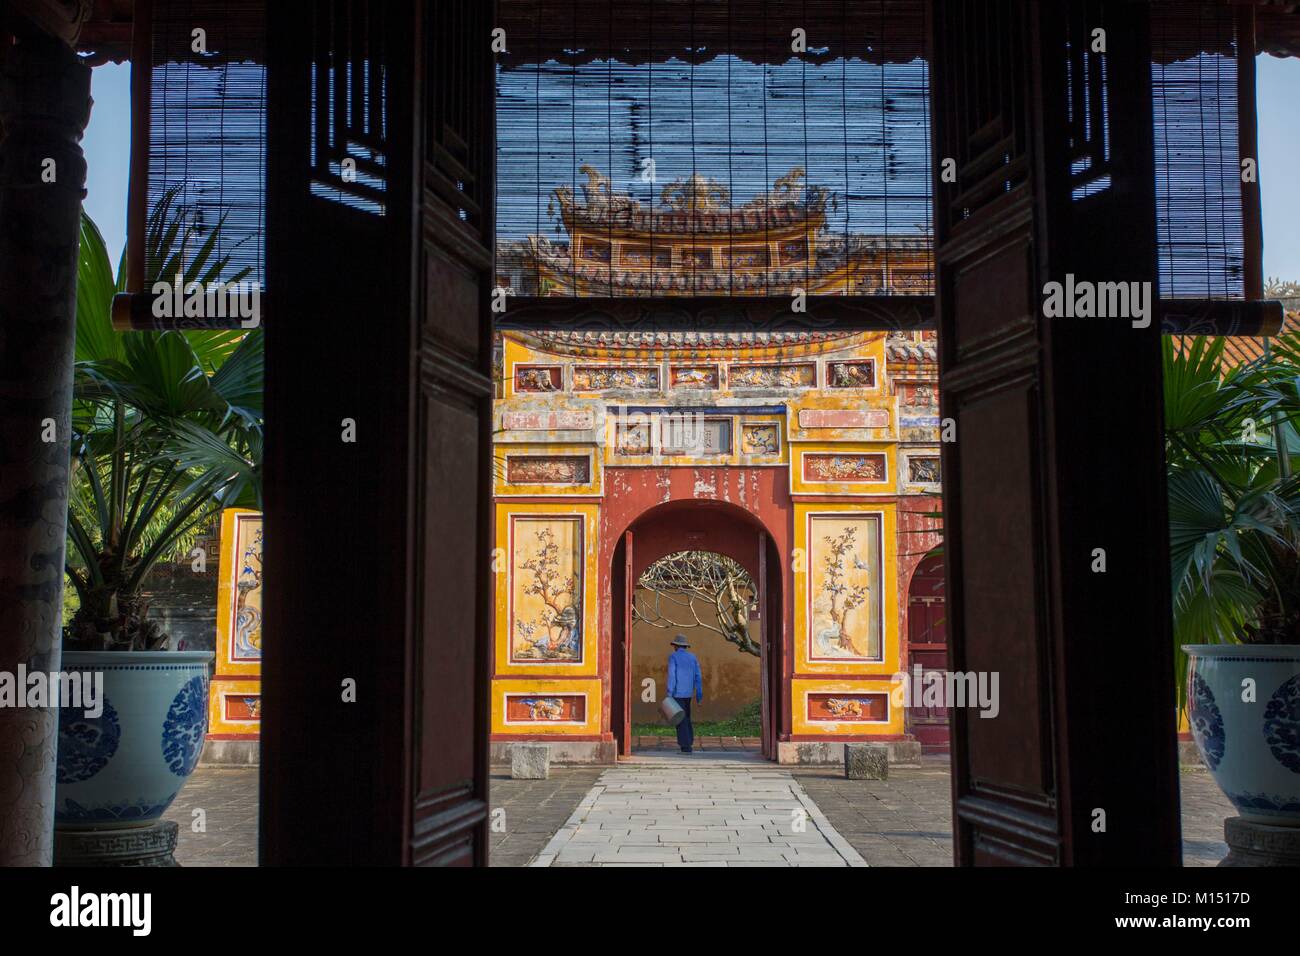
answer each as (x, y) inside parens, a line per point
(44, 106)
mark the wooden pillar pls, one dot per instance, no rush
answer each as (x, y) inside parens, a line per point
(1054, 488)
(44, 107)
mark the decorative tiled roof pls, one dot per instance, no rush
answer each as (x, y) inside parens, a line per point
(912, 352)
(832, 254)
(692, 205)
(612, 339)
(912, 348)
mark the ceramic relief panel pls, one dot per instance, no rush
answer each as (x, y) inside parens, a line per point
(546, 589)
(602, 378)
(760, 439)
(851, 374)
(548, 469)
(772, 376)
(844, 587)
(538, 378)
(835, 468)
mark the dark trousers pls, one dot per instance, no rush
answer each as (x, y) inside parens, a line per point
(685, 732)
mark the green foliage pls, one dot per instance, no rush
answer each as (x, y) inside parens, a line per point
(166, 431)
(747, 722)
(1234, 504)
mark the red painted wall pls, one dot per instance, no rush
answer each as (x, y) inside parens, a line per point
(689, 508)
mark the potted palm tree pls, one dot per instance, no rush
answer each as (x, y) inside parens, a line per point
(166, 431)
(1234, 516)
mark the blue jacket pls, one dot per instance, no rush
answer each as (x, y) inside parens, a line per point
(684, 675)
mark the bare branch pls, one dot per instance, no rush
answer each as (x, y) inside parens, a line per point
(688, 579)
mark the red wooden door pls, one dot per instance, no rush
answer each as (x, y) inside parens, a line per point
(765, 651)
(927, 649)
(629, 592)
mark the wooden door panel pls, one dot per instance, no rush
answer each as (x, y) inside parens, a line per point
(998, 564)
(453, 319)
(450, 712)
(765, 651)
(446, 799)
(617, 644)
(629, 597)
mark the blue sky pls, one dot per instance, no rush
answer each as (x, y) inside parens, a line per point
(108, 137)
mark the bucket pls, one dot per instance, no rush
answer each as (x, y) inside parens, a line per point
(672, 711)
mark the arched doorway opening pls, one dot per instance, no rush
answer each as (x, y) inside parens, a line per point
(927, 642)
(682, 527)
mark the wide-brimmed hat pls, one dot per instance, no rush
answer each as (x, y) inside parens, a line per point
(681, 641)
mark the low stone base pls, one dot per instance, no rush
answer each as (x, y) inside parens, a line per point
(231, 753)
(562, 752)
(866, 762)
(1258, 844)
(152, 845)
(818, 753)
(529, 761)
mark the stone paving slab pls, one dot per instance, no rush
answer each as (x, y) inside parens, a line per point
(743, 805)
(705, 808)
(534, 810)
(907, 819)
(228, 798)
(648, 742)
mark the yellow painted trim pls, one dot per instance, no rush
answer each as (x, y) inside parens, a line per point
(888, 600)
(800, 724)
(217, 723)
(591, 689)
(502, 451)
(228, 571)
(503, 564)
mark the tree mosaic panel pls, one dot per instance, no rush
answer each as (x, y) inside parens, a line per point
(844, 587)
(246, 619)
(546, 590)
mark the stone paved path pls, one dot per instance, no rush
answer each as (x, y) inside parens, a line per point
(902, 821)
(534, 811)
(747, 744)
(706, 809)
(228, 798)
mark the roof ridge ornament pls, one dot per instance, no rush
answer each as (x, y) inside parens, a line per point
(696, 193)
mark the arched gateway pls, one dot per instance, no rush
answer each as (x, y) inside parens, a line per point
(809, 458)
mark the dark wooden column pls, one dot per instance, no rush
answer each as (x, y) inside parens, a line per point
(1058, 454)
(377, 538)
(44, 106)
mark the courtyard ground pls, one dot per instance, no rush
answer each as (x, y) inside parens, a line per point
(717, 807)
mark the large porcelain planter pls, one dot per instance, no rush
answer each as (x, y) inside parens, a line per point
(1252, 748)
(125, 767)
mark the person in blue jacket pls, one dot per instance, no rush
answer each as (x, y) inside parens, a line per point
(684, 680)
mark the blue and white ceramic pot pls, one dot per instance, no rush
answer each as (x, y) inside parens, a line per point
(124, 766)
(1243, 704)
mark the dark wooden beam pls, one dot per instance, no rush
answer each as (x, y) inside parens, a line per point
(133, 312)
(823, 313)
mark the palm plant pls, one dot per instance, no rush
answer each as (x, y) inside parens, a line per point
(166, 431)
(1234, 504)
